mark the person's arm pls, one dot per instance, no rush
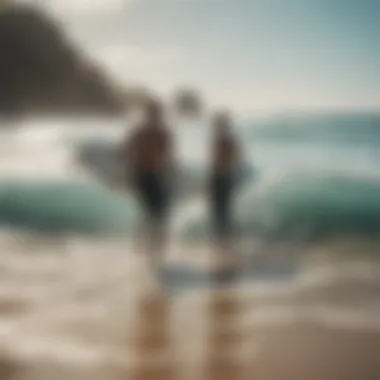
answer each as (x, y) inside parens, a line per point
(238, 153)
(170, 152)
(126, 148)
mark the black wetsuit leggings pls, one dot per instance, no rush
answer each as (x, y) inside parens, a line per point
(221, 199)
(153, 193)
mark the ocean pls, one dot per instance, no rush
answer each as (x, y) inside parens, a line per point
(308, 227)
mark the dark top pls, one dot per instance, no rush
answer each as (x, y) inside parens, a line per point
(150, 149)
(225, 153)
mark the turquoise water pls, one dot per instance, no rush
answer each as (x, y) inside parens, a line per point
(65, 207)
(334, 129)
(304, 208)
(319, 177)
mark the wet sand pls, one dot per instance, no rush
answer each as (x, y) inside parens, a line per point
(312, 352)
(106, 324)
(288, 350)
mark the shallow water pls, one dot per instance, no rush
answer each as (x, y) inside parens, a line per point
(74, 303)
(71, 296)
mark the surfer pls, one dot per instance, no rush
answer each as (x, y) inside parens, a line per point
(148, 152)
(225, 157)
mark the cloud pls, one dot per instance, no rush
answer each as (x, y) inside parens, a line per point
(120, 59)
(156, 68)
(133, 53)
(81, 7)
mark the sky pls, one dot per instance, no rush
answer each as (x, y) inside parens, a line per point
(242, 54)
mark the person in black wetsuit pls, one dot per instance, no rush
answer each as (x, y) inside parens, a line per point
(225, 156)
(149, 154)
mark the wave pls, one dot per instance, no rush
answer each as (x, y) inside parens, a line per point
(349, 128)
(307, 207)
(65, 207)
(97, 157)
(298, 207)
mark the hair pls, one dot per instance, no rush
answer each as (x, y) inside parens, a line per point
(222, 118)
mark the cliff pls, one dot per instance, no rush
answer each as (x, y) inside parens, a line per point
(41, 72)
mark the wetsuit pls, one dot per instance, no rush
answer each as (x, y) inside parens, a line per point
(150, 152)
(222, 184)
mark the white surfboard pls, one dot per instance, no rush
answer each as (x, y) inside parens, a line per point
(99, 159)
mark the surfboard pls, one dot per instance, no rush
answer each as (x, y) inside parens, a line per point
(100, 160)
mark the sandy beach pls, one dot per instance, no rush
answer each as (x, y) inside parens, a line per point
(74, 317)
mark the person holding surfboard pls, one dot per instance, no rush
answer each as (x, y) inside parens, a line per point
(148, 152)
(225, 159)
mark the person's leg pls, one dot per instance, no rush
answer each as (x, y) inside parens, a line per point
(140, 191)
(157, 200)
(215, 208)
(222, 203)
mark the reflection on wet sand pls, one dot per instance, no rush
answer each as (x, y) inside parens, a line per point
(152, 341)
(224, 339)
(323, 330)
